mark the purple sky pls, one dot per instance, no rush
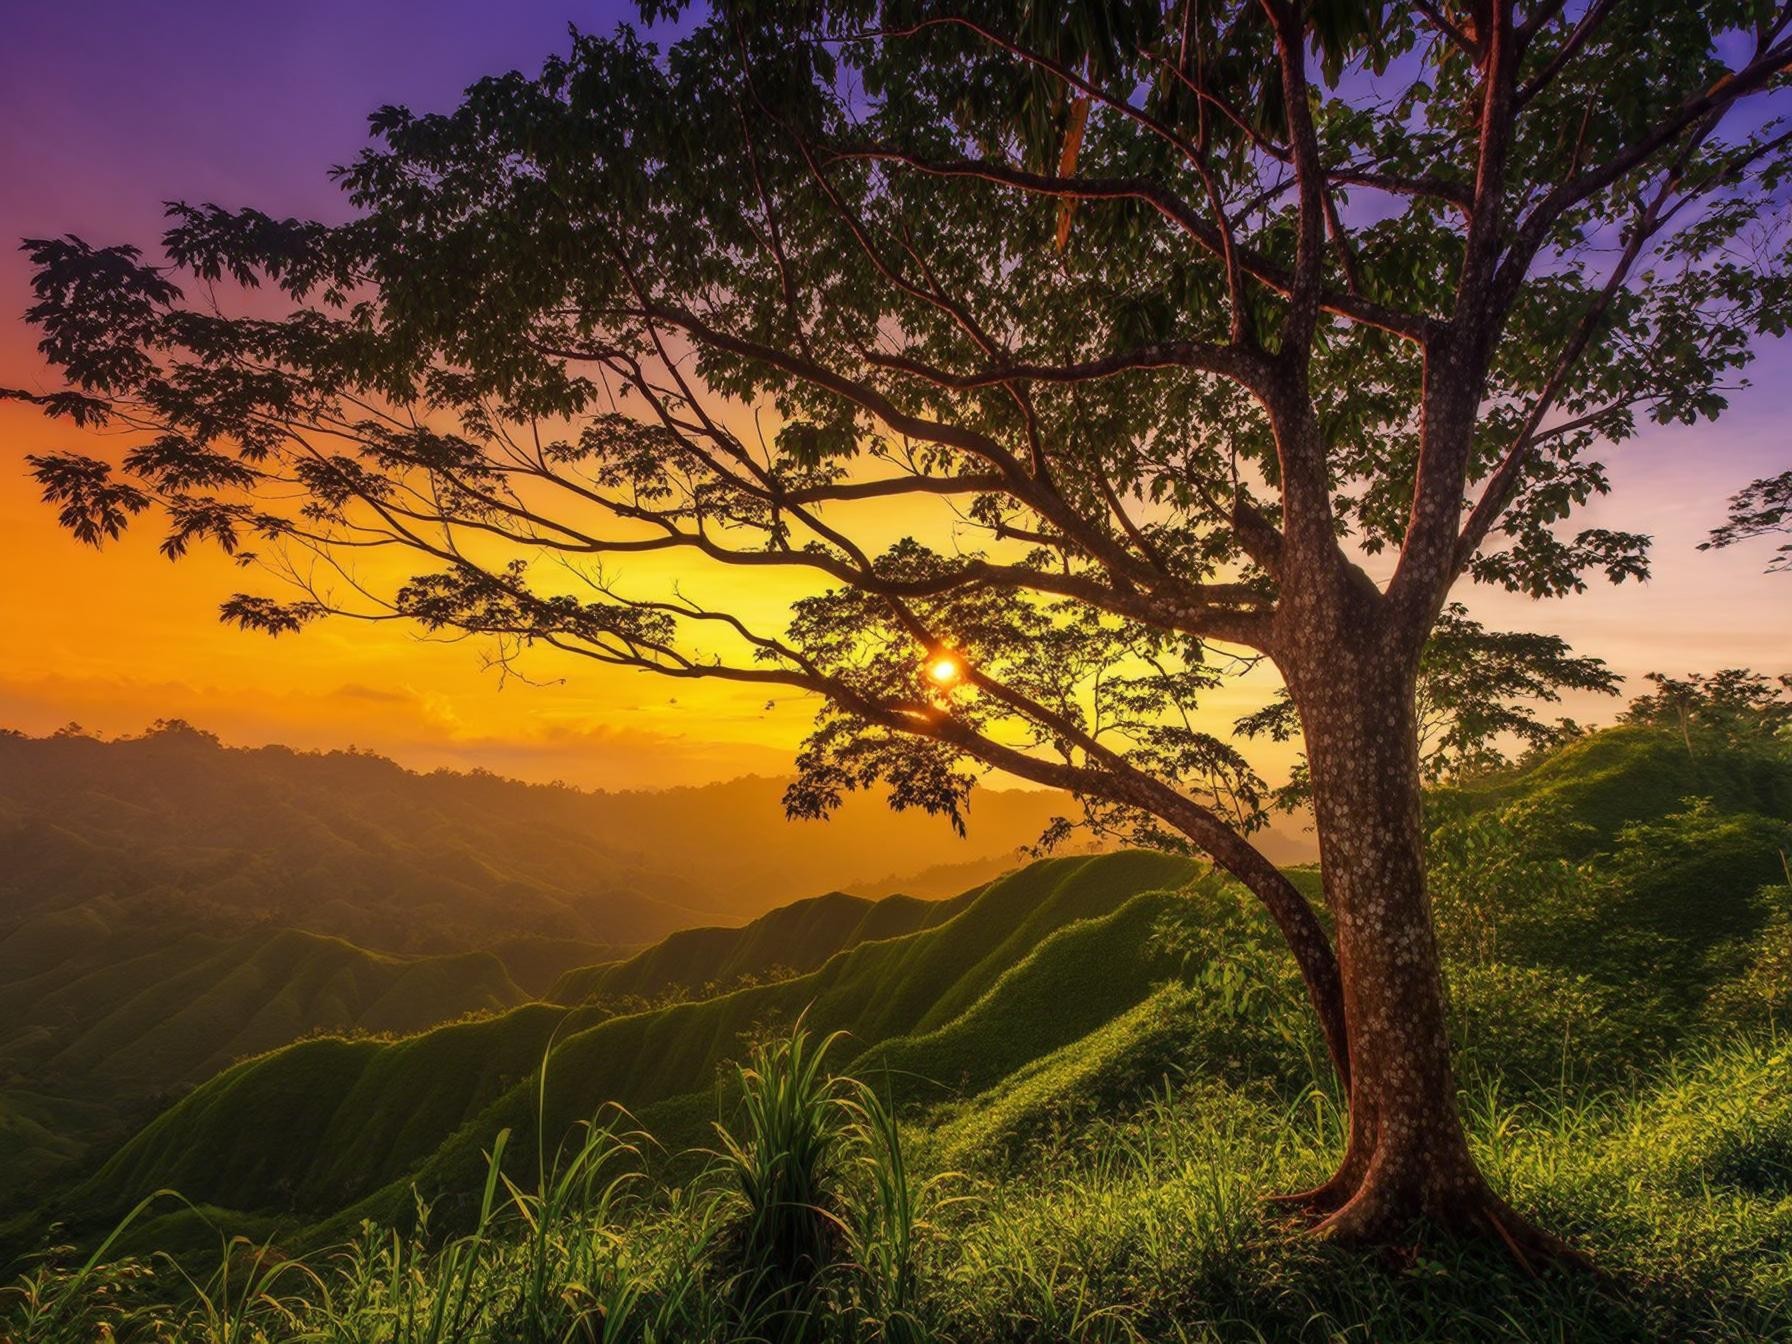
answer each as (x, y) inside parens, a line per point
(109, 107)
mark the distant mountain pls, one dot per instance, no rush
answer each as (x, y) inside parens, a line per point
(352, 845)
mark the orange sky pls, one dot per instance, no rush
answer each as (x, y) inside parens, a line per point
(95, 133)
(118, 637)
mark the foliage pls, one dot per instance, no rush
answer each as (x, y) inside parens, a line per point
(1501, 885)
(1761, 995)
(1760, 509)
(787, 1225)
(1530, 1029)
(1605, 858)
(1734, 704)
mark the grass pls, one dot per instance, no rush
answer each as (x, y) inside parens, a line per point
(812, 1220)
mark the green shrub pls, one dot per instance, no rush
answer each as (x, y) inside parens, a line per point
(1760, 994)
(1502, 888)
(1539, 1027)
(784, 1179)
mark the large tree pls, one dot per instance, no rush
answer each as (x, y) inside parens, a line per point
(1215, 333)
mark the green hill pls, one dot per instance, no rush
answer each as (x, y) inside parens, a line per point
(793, 938)
(1608, 779)
(1074, 977)
(363, 1119)
(110, 1021)
(169, 905)
(1632, 847)
(182, 1011)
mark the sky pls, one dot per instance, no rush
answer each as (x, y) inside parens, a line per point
(109, 109)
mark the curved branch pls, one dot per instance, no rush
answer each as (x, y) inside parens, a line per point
(1243, 366)
(1411, 326)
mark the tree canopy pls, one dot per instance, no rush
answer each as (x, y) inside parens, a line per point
(1045, 268)
(533, 336)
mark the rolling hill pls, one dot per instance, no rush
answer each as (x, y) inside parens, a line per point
(792, 939)
(360, 1120)
(1631, 773)
(180, 1011)
(1066, 982)
(113, 1021)
(169, 905)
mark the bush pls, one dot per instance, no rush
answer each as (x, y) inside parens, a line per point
(1537, 1027)
(784, 1180)
(1760, 995)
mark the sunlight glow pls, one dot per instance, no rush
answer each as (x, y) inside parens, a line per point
(944, 670)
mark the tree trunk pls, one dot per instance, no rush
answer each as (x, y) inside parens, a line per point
(1407, 1160)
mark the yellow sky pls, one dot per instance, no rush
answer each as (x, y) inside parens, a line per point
(117, 637)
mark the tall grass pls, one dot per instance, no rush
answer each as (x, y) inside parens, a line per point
(892, 1229)
(809, 1223)
(780, 1172)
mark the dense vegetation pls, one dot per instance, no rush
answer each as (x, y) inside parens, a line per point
(1074, 1088)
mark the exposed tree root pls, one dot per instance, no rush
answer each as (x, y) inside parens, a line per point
(1358, 1223)
(1314, 1205)
(1343, 1212)
(1530, 1245)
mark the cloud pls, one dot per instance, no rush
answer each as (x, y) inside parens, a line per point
(379, 695)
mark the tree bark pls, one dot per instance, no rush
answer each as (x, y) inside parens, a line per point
(1407, 1155)
(1407, 1161)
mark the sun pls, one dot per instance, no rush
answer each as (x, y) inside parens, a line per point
(944, 670)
